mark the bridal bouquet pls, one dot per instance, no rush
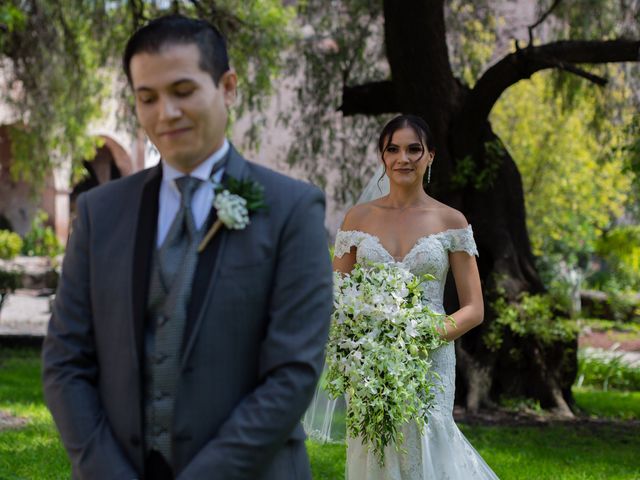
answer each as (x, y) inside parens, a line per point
(381, 335)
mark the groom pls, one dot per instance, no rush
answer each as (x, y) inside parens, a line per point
(167, 355)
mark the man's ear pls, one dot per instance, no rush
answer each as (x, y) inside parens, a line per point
(228, 83)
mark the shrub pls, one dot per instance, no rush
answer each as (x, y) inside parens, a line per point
(624, 305)
(41, 240)
(614, 303)
(606, 369)
(10, 244)
(532, 315)
(620, 248)
(9, 281)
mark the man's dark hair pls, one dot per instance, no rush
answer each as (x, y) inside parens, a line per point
(180, 30)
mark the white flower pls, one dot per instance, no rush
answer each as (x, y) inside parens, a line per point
(411, 329)
(231, 210)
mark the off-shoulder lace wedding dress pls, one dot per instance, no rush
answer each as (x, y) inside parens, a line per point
(441, 452)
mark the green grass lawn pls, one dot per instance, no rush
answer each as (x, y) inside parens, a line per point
(570, 452)
(32, 452)
(562, 451)
(611, 404)
(558, 452)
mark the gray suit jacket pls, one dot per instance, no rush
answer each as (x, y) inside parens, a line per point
(254, 342)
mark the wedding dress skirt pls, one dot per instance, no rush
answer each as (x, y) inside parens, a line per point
(440, 452)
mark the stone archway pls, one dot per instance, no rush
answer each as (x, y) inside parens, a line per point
(122, 159)
(17, 203)
(111, 162)
(57, 196)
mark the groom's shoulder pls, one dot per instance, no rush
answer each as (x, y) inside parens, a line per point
(120, 188)
(280, 187)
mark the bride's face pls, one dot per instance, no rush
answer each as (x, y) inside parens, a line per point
(406, 157)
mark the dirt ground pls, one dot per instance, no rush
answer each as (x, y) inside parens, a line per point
(606, 340)
(8, 421)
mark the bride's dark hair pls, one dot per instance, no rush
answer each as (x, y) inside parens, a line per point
(417, 124)
(414, 122)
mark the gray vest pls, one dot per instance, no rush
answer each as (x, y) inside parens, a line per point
(162, 364)
(172, 271)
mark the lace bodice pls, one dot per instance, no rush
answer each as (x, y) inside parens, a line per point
(430, 254)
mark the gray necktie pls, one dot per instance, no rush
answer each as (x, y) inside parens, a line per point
(181, 233)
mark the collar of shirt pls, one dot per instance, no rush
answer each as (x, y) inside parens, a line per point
(169, 174)
(169, 199)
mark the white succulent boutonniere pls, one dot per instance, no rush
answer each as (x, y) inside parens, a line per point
(233, 203)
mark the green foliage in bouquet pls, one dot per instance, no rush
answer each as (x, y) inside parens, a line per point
(10, 244)
(41, 240)
(381, 338)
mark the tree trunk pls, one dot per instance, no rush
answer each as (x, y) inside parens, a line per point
(424, 85)
(521, 368)
(490, 193)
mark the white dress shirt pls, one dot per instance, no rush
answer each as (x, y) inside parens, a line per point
(202, 201)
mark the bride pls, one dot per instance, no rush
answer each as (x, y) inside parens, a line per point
(409, 228)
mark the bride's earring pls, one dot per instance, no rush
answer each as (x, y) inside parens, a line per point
(429, 174)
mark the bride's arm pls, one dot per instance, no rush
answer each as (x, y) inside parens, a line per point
(345, 263)
(467, 278)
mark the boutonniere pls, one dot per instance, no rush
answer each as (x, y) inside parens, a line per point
(233, 203)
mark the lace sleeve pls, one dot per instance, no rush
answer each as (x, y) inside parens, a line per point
(345, 240)
(461, 240)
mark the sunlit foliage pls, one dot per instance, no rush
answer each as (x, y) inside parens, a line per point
(573, 175)
(62, 65)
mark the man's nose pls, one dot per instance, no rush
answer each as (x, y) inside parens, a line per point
(169, 110)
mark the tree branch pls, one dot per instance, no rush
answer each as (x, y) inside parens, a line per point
(200, 10)
(372, 98)
(223, 19)
(521, 65)
(542, 19)
(570, 68)
(137, 13)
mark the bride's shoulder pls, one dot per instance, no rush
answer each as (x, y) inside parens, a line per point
(356, 216)
(449, 217)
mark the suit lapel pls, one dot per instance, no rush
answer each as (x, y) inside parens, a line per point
(202, 277)
(209, 262)
(144, 246)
